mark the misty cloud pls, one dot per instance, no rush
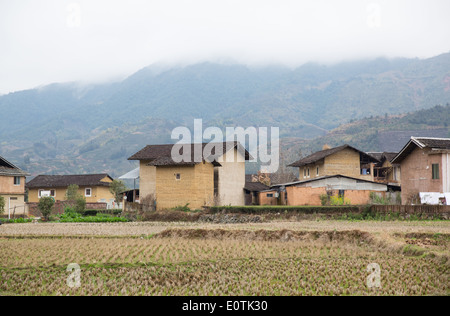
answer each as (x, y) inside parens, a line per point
(52, 40)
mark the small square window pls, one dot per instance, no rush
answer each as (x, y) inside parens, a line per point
(16, 180)
(178, 176)
(88, 192)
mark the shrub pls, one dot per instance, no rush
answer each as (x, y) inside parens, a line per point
(271, 209)
(324, 198)
(184, 208)
(117, 187)
(45, 206)
(338, 200)
(2, 205)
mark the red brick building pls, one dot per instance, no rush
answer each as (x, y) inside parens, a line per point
(425, 170)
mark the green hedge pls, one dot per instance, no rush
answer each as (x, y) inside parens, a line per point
(92, 212)
(265, 209)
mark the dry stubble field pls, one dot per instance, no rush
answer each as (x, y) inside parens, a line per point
(278, 258)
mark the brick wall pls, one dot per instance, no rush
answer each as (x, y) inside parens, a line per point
(58, 208)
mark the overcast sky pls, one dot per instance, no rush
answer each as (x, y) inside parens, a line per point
(45, 41)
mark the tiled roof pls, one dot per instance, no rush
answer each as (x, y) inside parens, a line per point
(255, 186)
(435, 143)
(317, 156)
(62, 181)
(8, 169)
(161, 155)
(422, 142)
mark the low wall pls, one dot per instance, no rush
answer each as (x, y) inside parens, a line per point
(58, 208)
(402, 211)
(419, 210)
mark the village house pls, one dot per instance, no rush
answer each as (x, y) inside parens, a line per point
(93, 187)
(385, 171)
(253, 187)
(343, 172)
(12, 187)
(425, 170)
(343, 160)
(311, 191)
(197, 182)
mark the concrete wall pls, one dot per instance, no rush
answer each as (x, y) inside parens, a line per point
(147, 179)
(7, 185)
(231, 179)
(14, 195)
(446, 172)
(14, 203)
(195, 186)
(416, 173)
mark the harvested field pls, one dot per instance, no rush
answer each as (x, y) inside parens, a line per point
(238, 259)
(150, 228)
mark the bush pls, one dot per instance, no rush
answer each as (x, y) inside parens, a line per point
(2, 205)
(184, 208)
(338, 200)
(92, 219)
(269, 209)
(17, 220)
(45, 206)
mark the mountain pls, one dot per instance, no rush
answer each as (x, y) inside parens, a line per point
(76, 128)
(386, 133)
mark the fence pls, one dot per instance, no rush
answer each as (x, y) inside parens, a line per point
(428, 210)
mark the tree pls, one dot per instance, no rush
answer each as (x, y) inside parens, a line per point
(76, 200)
(2, 205)
(45, 206)
(72, 193)
(117, 188)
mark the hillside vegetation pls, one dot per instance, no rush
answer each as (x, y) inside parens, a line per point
(75, 128)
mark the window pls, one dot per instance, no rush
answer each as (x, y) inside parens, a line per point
(52, 193)
(88, 192)
(341, 193)
(16, 180)
(435, 170)
(317, 171)
(308, 172)
(270, 195)
(178, 176)
(304, 172)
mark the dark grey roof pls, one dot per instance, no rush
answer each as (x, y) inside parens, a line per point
(317, 156)
(9, 169)
(161, 155)
(62, 181)
(422, 142)
(382, 156)
(255, 186)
